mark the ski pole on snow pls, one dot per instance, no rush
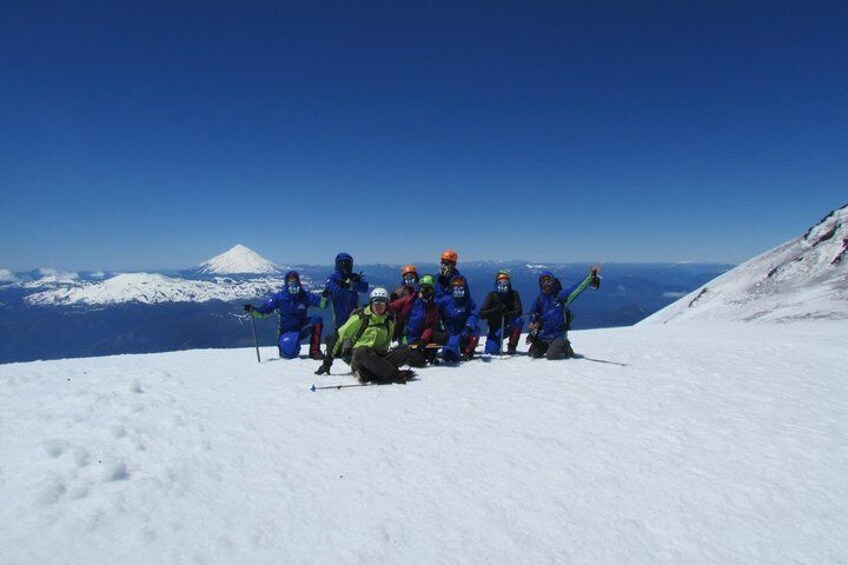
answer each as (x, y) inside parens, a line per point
(500, 342)
(255, 341)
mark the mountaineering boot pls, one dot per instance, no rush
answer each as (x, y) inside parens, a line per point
(512, 344)
(567, 351)
(324, 369)
(315, 342)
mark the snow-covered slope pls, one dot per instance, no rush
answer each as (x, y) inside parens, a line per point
(806, 278)
(238, 260)
(147, 288)
(651, 449)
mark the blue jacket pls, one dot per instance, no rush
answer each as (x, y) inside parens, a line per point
(549, 309)
(456, 314)
(291, 308)
(344, 298)
(422, 320)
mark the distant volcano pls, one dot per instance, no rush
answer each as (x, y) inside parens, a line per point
(238, 260)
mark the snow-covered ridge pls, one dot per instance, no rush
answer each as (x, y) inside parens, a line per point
(148, 288)
(238, 260)
(806, 278)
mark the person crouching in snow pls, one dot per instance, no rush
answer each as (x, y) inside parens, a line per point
(447, 271)
(502, 312)
(420, 328)
(550, 317)
(364, 343)
(293, 324)
(459, 315)
(409, 283)
(401, 299)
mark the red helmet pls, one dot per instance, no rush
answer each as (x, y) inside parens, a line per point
(450, 256)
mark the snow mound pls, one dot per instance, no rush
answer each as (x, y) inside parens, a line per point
(649, 449)
(806, 278)
(238, 260)
(148, 288)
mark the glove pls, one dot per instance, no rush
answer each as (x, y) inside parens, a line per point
(356, 277)
(469, 330)
(326, 293)
(248, 308)
(596, 276)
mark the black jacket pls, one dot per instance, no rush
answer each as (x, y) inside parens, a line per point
(498, 306)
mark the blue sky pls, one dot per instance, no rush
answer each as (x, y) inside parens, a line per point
(155, 135)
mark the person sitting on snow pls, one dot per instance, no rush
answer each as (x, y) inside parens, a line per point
(342, 289)
(293, 324)
(420, 328)
(364, 343)
(550, 317)
(502, 312)
(458, 313)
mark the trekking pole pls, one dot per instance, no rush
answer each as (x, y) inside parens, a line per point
(255, 341)
(314, 388)
(500, 342)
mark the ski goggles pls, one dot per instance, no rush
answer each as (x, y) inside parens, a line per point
(379, 300)
(409, 279)
(426, 292)
(458, 291)
(503, 286)
(293, 287)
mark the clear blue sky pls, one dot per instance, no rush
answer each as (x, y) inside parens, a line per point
(157, 134)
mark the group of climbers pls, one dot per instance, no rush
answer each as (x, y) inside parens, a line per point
(423, 316)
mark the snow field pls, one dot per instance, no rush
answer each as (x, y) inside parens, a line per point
(708, 444)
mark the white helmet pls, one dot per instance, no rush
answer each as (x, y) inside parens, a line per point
(379, 294)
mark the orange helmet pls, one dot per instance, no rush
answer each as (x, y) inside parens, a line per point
(409, 269)
(502, 275)
(450, 255)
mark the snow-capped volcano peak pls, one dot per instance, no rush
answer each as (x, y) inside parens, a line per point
(806, 278)
(238, 260)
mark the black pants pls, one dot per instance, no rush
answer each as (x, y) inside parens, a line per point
(369, 365)
(559, 348)
(421, 357)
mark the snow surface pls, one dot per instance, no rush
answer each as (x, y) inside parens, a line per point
(147, 288)
(708, 443)
(238, 260)
(806, 278)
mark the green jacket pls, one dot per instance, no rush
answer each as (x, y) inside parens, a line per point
(377, 334)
